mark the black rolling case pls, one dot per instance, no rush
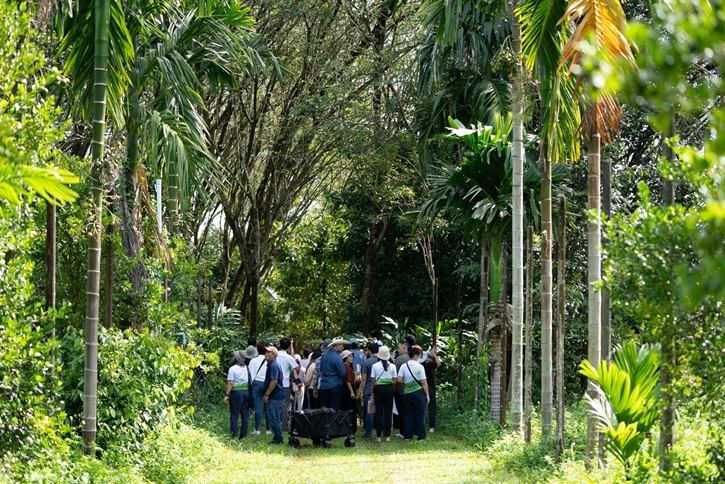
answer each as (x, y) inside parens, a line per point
(321, 426)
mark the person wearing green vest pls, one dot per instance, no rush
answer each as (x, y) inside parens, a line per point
(415, 395)
(238, 396)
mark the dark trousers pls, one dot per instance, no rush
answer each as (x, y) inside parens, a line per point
(414, 404)
(349, 403)
(432, 407)
(330, 398)
(238, 404)
(312, 401)
(383, 409)
(398, 420)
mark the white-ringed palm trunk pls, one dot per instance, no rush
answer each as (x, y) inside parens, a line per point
(546, 295)
(594, 235)
(517, 253)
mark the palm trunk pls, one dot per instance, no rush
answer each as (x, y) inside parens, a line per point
(210, 305)
(667, 419)
(595, 298)
(606, 341)
(517, 253)
(90, 373)
(560, 320)
(546, 295)
(503, 310)
(482, 311)
(459, 356)
(108, 283)
(529, 331)
(496, 373)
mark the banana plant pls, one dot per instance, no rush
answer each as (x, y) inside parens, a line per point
(627, 406)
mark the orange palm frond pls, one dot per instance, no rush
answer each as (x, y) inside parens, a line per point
(602, 19)
(603, 118)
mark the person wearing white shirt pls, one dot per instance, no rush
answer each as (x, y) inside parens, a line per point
(258, 370)
(383, 375)
(415, 395)
(288, 363)
(237, 395)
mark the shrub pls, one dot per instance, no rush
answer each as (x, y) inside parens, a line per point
(140, 379)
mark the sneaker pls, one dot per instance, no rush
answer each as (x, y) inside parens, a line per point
(399, 435)
(367, 436)
(255, 432)
(432, 430)
(407, 440)
(269, 432)
(274, 442)
(387, 439)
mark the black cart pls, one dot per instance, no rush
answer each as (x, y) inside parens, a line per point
(322, 425)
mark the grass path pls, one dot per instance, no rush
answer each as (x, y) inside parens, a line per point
(441, 458)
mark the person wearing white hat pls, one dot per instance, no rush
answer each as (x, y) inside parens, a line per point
(383, 376)
(332, 370)
(348, 400)
(238, 396)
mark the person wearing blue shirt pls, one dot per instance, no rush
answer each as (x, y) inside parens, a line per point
(332, 369)
(274, 393)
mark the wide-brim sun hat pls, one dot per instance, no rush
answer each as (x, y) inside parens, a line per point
(338, 340)
(250, 352)
(384, 353)
(345, 354)
(239, 356)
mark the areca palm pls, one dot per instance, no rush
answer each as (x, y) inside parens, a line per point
(543, 37)
(601, 25)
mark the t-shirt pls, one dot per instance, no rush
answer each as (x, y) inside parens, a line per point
(258, 368)
(349, 375)
(332, 369)
(274, 372)
(358, 358)
(430, 372)
(383, 376)
(239, 378)
(367, 367)
(399, 361)
(407, 371)
(287, 363)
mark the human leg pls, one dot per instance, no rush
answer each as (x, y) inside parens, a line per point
(418, 411)
(386, 400)
(335, 397)
(369, 417)
(258, 389)
(245, 414)
(432, 407)
(407, 417)
(235, 407)
(285, 409)
(274, 413)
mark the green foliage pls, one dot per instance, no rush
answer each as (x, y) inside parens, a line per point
(141, 380)
(28, 127)
(628, 406)
(30, 407)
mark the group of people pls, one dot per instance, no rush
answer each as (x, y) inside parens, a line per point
(386, 390)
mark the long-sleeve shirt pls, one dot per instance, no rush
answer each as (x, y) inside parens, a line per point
(332, 369)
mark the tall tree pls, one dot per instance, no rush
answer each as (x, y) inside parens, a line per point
(601, 22)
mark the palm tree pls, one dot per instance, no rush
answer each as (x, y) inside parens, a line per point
(542, 40)
(601, 23)
(107, 84)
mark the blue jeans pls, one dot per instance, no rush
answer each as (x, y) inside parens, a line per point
(274, 414)
(258, 388)
(330, 398)
(238, 404)
(414, 415)
(369, 417)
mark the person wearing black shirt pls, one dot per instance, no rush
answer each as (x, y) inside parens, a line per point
(431, 364)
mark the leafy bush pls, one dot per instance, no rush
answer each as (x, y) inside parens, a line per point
(628, 406)
(140, 380)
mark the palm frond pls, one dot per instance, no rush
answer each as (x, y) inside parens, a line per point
(50, 183)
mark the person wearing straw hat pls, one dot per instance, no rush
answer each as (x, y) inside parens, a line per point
(332, 370)
(238, 396)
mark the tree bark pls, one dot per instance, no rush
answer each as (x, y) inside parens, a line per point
(595, 297)
(210, 305)
(482, 311)
(504, 334)
(377, 232)
(517, 252)
(108, 285)
(198, 297)
(560, 321)
(606, 340)
(529, 331)
(547, 232)
(90, 373)
(459, 358)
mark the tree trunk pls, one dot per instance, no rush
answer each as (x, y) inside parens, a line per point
(503, 303)
(50, 256)
(529, 331)
(90, 372)
(435, 313)
(254, 305)
(210, 305)
(606, 341)
(517, 253)
(496, 373)
(226, 261)
(377, 232)
(595, 298)
(667, 418)
(482, 311)
(198, 297)
(546, 295)
(560, 321)
(459, 359)
(108, 285)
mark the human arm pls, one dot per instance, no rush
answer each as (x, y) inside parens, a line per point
(362, 383)
(230, 383)
(425, 389)
(270, 388)
(435, 357)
